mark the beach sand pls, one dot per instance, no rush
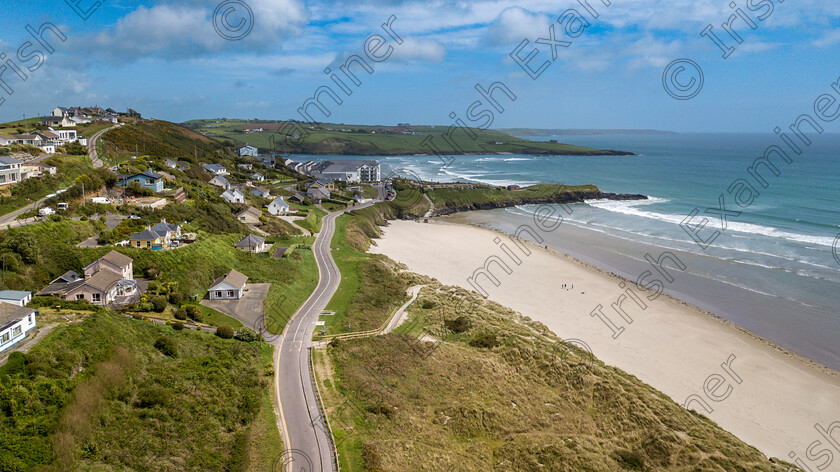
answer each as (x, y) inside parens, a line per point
(769, 398)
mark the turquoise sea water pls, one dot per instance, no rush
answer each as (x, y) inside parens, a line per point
(772, 270)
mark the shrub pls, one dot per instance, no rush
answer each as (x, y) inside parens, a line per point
(486, 340)
(459, 324)
(194, 313)
(177, 326)
(429, 304)
(180, 314)
(247, 335)
(176, 298)
(150, 397)
(224, 332)
(137, 316)
(166, 346)
(159, 304)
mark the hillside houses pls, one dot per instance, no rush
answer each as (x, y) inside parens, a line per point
(252, 243)
(248, 150)
(9, 170)
(220, 181)
(160, 236)
(215, 169)
(346, 170)
(278, 206)
(234, 196)
(147, 179)
(249, 216)
(15, 322)
(262, 192)
(105, 280)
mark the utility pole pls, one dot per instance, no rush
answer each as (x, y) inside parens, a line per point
(83, 193)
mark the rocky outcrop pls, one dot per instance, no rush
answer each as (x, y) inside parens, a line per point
(570, 197)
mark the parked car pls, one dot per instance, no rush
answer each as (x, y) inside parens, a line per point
(62, 206)
(105, 200)
(46, 211)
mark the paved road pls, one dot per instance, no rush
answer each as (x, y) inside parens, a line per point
(94, 157)
(303, 427)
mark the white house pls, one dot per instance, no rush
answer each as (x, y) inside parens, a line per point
(248, 150)
(15, 297)
(245, 166)
(278, 207)
(230, 286)
(66, 135)
(59, 111)
(220, 181)
(9, 170)
(215, 169)
(15, 322)
(233, 196)
(262, 192)
(257, 176)
(252, 243)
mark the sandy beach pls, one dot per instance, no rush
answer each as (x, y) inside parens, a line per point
(769, 398)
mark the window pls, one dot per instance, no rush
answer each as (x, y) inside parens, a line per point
(219, 294)
(96, 297)
(148, 244)
(80, 296)
(16, 331)
(231, 294)
(32, 319)
(138, 243)
(5, 338)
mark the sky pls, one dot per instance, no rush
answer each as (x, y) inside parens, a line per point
(191, 59)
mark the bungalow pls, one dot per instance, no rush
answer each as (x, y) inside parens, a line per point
(100, 288)
(220, 181)
(58, 111)
(248, 150)
(149, 239)
(324, 184)
(360, 199)
(177, 165)
(147, 179)
(268, 161)
(318, 194)
(215, 169)
(108, 119)
(245, 166)
(15, 322)
(261, 192)
(298, 196)
(278, 207)
(230, 286)
(233, 196)
(58, 121)
(251, 243)
(47, 136)
(9, 170)
(172, 231)
(15, 297)
(256, 176)
(249, 216)
(115, 262)
(47, 169)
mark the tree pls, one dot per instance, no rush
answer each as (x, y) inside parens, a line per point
(224, 332)
(180, 314)
(167, 346)
(194, 313)
(159, 304)
(247, 335)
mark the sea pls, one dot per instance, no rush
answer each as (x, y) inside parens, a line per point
(774, 269)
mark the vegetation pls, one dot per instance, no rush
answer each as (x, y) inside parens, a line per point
(332, 139)
(113, 393)
(68, 170)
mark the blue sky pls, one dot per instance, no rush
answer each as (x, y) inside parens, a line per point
(165, 59)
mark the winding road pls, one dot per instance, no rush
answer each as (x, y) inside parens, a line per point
(302, 427)
(94, 156)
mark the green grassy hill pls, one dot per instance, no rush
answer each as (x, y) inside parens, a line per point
(160, 139)
(326, 138)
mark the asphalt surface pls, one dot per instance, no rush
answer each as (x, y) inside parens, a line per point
(94, 157)
(303, 428)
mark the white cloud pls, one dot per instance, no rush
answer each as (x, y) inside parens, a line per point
(418, 49)
(515, 24)
(828, 39)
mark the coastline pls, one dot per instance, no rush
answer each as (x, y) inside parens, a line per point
(673, 346)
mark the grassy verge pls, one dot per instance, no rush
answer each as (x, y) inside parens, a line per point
(31, 190)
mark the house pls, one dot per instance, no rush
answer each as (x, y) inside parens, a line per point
(220, 181)
(298, 196)
(268, 161)
(147, 179)
(9, 170)
(58, 121)
(513, 187)
(80, 119)
(249, 216)
(233, 196)
(256, 176)
(15, 297)
(245, 166)
(15, 322)
(180, 195)
(248, 150)
(60, 285)
(215, 169)
(278, 207)
(251, 243)
(115, 262)
(261, 192)
(59, 111)
(361, 199)
(47, 136)
(177, 165)
(108, 119)
(46, 169)
(230, 286)
(67, 135)
(318, 194)
(101, 288)
(171, 230)
(325, 184)
(68, 278)
(149, 239)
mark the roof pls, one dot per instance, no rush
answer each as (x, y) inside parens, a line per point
(14, 294)
(251, 210)
(67, 277)
(146, 235)
(250, 241)
(146, 173)
(12, 314)
(233, 278)
(247, 146)
(59, 288)
(164, 226)
(118, 258)
(231, 193)
(103, 280)
(256, 175)
(279, 201)
(262, 190)
(213, 167)
(322, 182)
(9, 160)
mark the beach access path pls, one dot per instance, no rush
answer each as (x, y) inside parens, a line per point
(768, 398)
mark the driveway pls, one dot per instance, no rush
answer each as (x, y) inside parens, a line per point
(248, 309)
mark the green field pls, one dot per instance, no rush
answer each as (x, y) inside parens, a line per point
(328, 138)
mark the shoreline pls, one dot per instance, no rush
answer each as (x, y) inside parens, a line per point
(798, 357)
(779, 396)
